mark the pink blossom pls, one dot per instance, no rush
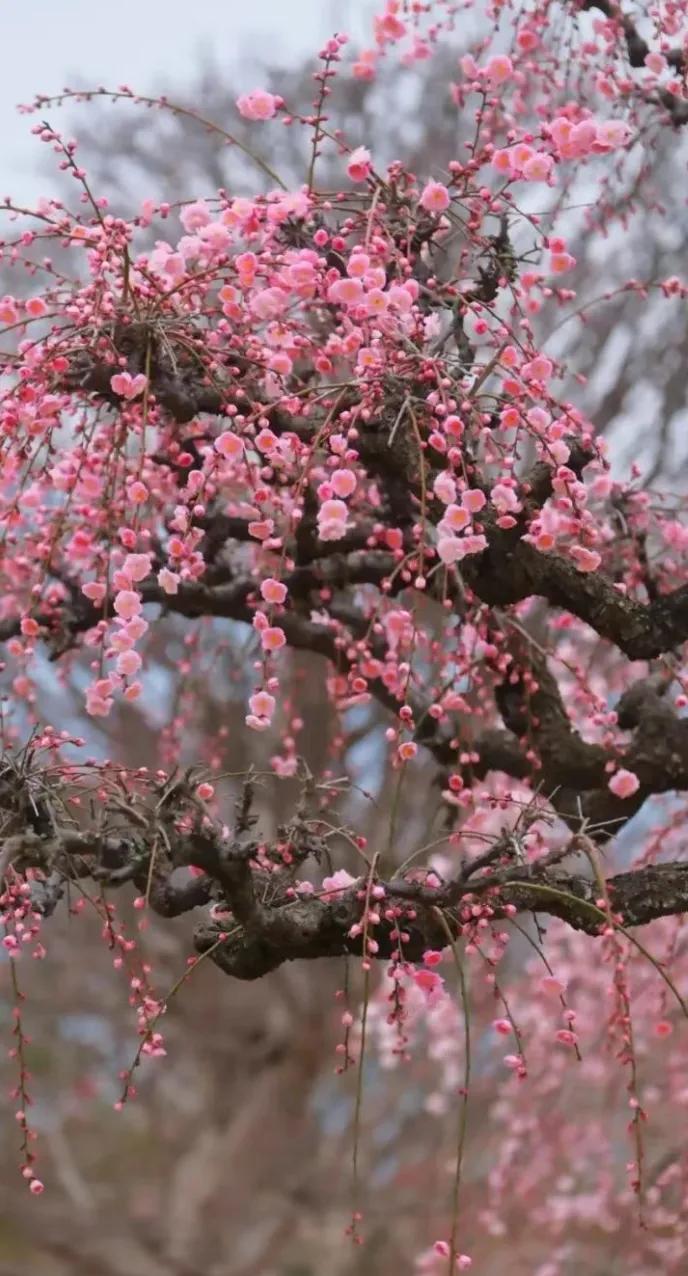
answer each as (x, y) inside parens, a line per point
(194, 216)
(586, 560)
(262, 704)
(655, 62)
(343, 482)
(444, 488)
(389, 27)
(121, 640)
(400, 297)
(527, 39)
(137, 566)
(128, 387)
(358, 263)
(469, 66)
(305, 888)
(337, 882)
(450, 549)
(345, 292)
(612, 135)
(559, 263)
(273, 591)
(504, 498)
(551, 985)
(261, 529)
(565, 1037)
(498, 69)
(359, 164)
(36, 307)
(135, 628)
(229, 445)
(571, 139)
(364, 67)
(429, 983)
(128, 662)
(503, 161)
(94, 590)
(332, 517)
(376, 301)
(127, 603)
(272, 638)
(258, 105)
(8, 310)
(539, 168)
(624, 783)
(146, 212)
(280, 363)
(168, 581)
(455, 519)
(266, 441)
(473, 500)
(521, 154)
(582, 136)
(474, 544)
(138, 492)
(538, 369)
(435, 197)
(98, 706)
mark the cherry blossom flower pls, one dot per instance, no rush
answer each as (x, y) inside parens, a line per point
(499, 69)
(435, 197)
(272, 638)
(229, 445)
(273, 591)
(335, 883)
(168, 581)
(343, 483)
(624, 783)
(258, 105)
(586, 560)
(127, 386)
(430, 984)
(332, 520)
(359, 164)
(127, 603)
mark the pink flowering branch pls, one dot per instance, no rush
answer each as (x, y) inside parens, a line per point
(247, 882)
(640, 55)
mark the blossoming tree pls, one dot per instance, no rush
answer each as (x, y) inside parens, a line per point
(331, 422)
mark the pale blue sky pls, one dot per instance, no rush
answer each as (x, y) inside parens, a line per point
(48, 44)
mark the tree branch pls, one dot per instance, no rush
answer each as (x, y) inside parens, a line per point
(270, 923)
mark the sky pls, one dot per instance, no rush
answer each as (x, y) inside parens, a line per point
(48, 44)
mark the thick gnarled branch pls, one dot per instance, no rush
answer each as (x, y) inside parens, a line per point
(265, 922)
